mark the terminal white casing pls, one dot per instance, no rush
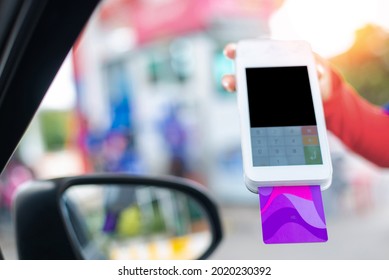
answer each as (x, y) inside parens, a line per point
(272, 53)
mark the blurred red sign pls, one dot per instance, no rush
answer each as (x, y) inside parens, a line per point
(152, 19)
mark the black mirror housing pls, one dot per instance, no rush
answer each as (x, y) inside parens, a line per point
(42, 225)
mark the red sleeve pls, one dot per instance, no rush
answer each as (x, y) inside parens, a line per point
(361, 126)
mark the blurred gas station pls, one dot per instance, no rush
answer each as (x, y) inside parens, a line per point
(140, 93)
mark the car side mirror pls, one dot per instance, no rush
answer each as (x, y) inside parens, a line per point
(116, 217)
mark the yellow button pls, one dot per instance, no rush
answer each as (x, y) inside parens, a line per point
(310, 140)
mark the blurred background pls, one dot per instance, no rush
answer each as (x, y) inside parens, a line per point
(140, 93)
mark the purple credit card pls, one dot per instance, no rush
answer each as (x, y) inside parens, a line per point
(292, 214)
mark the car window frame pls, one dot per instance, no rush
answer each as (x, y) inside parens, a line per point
(43, 33)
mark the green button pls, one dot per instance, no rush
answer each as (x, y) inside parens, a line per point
(312, 155)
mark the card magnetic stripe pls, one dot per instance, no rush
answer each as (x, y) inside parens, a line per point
(292, 214)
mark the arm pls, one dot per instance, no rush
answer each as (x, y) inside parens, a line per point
(363, 127)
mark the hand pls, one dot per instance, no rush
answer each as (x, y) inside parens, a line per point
(322, 66)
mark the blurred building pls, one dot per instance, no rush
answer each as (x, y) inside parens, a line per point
(151, 70)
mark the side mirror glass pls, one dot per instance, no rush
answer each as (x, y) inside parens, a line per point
(139, 219)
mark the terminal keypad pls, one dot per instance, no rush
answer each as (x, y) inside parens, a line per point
(280, 146)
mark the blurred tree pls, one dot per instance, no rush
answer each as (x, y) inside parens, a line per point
(55, 125)
(366, 64)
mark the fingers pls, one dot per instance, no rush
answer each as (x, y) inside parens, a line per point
(230, 50)
(320, 65)
(229, 83)
(324, 76)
